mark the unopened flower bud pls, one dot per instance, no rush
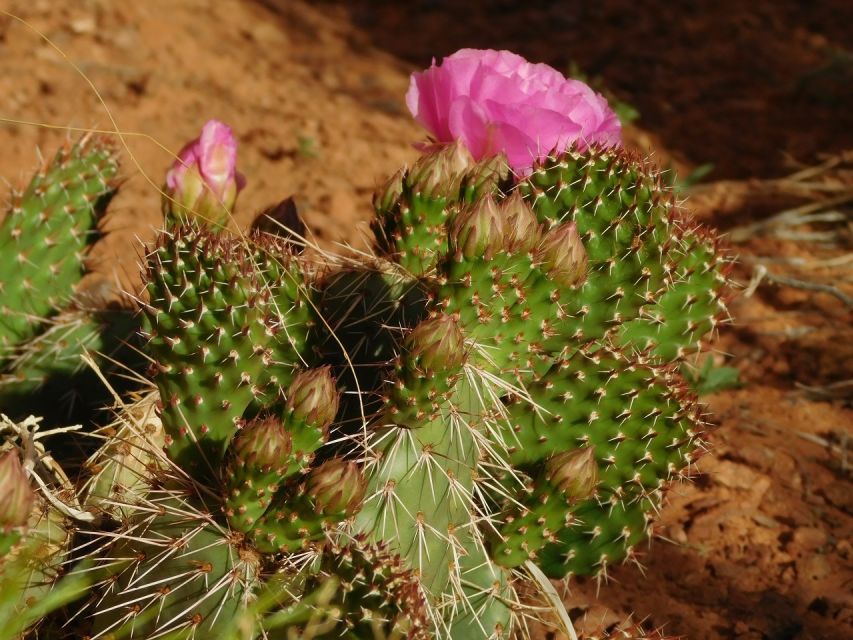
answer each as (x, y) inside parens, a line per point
(477, 230)
(563, 255)
(389, 193)
(522, 228)
(313, 397)
(574, 473)
(16, 494)
(337, 486)
(204, 182)
(437, 344)
(439, 173)
(263, 442)
(485, 176)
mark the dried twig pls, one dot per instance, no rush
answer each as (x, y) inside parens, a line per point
(761, 273)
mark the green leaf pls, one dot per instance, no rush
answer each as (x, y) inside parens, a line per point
(710, 379)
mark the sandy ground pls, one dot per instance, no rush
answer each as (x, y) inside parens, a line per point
(760, 545)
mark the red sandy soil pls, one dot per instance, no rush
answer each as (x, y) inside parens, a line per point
(759, 546)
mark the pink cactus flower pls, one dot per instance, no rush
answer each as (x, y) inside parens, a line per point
(204, 180)
(496, 101)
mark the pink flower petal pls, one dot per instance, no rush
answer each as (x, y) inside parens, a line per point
(497, 101)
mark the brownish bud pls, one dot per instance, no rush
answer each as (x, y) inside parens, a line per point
(313, 397)
(521, 227)
(337, 486)
(263, 442)
(563, 255)
(437, 344)
(389, 193)
(439, 173)
(574, 473)
(16, 494)
(486, 176)
(477, 230)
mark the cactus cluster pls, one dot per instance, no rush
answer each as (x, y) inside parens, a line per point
(387, 448)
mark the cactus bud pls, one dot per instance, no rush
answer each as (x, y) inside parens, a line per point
(485, 177)
(438, 174)
(389, 194)
(16, 494)
(204, 181)
(313, 397)
(337, 486)
(522, 229)
(281, 219)
(263, 442)
(437, 344)
(477, 230)
(563, 255)
(574, 473)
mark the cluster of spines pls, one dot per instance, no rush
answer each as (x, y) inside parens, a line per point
(174, 571)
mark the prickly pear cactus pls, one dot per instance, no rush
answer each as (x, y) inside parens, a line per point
(44, 235)
(395, 447)
(538, 409)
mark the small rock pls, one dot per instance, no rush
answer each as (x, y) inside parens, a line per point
(814, 567)
(82, 26)
(677, 534)
(810, 538)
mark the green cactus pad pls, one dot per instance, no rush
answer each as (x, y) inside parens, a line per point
(178, 574)
(207, 321)
(302, 513)
(646, 263)
(52, 361)
(259, 457)
(482, 600)
(35, 534)
(414, 207)
(640, 419)
(603, 535)
(44, 236)
(292, 313)
(419, 496)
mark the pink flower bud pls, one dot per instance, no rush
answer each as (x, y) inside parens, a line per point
(496, 101)
(204, 181)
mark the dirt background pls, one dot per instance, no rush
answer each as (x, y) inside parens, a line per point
(760, 546)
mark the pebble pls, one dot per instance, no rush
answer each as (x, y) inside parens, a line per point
(810, 538)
